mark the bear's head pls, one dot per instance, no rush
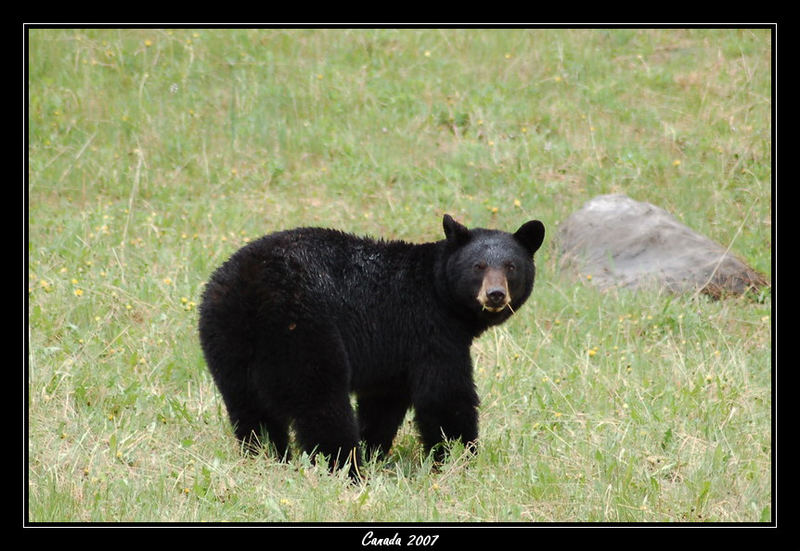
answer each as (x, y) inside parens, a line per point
(489, 273)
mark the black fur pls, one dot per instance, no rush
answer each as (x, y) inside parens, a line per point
(295, 322)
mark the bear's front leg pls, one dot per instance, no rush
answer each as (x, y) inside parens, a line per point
(451, 415)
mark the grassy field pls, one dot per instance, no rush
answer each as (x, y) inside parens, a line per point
(155, 154)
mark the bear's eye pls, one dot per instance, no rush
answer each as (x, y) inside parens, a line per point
(510, 267)
(480, 266)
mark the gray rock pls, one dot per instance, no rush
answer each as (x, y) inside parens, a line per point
(621, 242)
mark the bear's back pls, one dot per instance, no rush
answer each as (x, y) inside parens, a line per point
(322, 270)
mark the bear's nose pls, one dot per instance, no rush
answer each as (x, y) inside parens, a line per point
(496, 296)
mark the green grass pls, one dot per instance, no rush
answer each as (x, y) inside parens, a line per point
(155, 154)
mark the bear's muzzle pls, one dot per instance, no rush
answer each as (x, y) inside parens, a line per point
(493, 294)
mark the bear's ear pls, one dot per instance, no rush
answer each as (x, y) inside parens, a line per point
(531, 235)
(454, 231)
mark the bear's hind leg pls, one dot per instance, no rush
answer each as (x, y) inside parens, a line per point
(379, 417)
(330, 429)
(257, 428)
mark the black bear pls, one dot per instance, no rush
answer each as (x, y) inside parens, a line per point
(297, 321)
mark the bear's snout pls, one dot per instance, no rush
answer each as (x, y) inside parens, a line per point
(494, 295)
